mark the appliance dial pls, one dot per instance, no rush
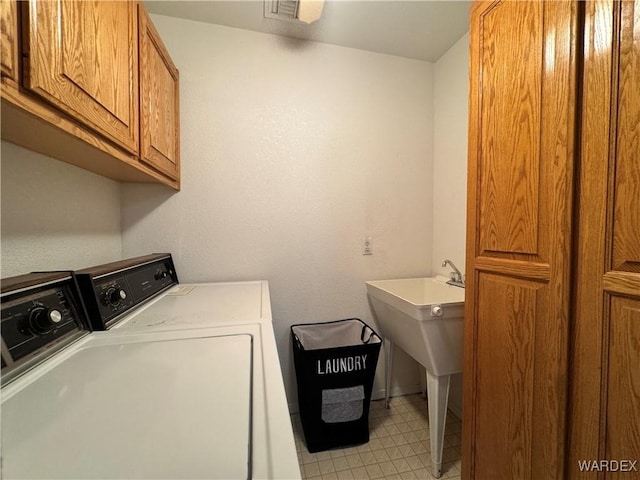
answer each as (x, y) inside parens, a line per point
(42, 319)
(114, 296)
(160, 274)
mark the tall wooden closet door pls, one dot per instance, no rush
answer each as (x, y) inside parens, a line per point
(521, 162)
(605, 366)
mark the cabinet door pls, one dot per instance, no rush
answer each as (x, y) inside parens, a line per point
(605, 385)
(520, 187)
(9, 40)
(159, 102)
(83, 58)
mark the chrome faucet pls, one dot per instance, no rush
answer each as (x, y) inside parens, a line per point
(455, 276)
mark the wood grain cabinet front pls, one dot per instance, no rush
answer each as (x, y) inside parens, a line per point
(604, 413)
(82, 57)
(552, 319)
(71, 88)
(519, 232)
(159, 102)
(9, 40)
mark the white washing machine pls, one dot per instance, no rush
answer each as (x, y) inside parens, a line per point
(186, 386)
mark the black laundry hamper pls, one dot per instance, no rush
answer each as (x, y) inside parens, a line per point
(335, 366)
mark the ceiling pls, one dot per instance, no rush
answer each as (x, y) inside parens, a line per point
(419, 29)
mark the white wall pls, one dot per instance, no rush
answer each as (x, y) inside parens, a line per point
(55, 215)
(450, 106)
(292, 153)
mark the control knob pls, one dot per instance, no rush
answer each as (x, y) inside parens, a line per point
(160, 275)
(42, 320)
(114, 296)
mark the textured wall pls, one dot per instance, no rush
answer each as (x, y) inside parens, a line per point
(450, 120)
(450, 107)
(292, 153)
(55, 215)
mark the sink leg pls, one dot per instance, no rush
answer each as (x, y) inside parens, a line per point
(438, 396)
(388, 364)
(423, 381)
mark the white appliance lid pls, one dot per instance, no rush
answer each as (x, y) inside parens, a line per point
(211, 304)
(165, 408)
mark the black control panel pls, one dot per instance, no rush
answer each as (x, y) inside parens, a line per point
(40, 311)
(111, 290)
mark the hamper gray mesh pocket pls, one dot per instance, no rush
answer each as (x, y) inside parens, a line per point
(342, 404)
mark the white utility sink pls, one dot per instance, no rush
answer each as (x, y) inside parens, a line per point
(424, 317)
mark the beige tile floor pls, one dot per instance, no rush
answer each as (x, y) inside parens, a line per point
(398, 447)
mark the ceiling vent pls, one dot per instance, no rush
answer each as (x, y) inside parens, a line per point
(297, 11)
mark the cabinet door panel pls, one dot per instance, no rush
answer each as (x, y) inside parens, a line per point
(159, 90)
(623, 381)
(509, 169)
(9, 41)
(506, 327)
(626, 228)
(605, 344)
(82, 57)
(520, 192)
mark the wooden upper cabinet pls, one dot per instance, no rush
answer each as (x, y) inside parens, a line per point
(519, 237)
(9, 40)
(159, 102)
(82, 57)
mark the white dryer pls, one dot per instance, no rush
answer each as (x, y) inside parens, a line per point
(244, 306)
(186, 385)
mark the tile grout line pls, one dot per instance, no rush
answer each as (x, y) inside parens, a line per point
(398, 447)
